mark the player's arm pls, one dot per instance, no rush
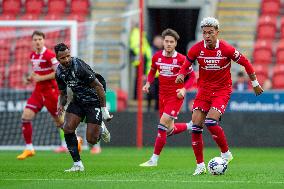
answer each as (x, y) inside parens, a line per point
(38, 78)
(242, 60)
(62, 99)
(151, 76)
(89, 77)
(187, 84)
(187, 65)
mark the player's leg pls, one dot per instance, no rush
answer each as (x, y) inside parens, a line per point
(213, 125)
(34, 105)
(96, 149)
(178, 127)
(198, 117)
(73, 118)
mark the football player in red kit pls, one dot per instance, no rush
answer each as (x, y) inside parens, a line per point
(214, 87)
(168, 62)
(44, 64)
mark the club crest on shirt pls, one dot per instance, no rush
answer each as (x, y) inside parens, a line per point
(201, 53)
(159, 60)
(174, 61)
(219, 53)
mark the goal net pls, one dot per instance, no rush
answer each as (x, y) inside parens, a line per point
(88, 40)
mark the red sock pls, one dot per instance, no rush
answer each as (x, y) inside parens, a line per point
(27, 131)
(218, 135)
(197, 143)
(160, 140)
(179, 128)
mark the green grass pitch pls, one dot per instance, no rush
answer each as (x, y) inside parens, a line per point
(118, 168)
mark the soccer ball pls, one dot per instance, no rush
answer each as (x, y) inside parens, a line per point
(217, 166)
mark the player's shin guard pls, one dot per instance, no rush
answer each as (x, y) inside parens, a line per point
(217, 134)
(178, 128)
(197, 143)
(27, 130)
(161, 139)
(72, 145)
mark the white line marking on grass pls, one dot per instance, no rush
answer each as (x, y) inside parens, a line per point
(148, 181)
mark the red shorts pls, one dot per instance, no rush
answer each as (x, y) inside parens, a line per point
(170, 105)
(48, 98)
(207, 99)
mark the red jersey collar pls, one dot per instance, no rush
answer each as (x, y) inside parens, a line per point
(42, 51)
(174, 55)
(217, 44)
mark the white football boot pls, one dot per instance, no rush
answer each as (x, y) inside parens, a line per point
(149, 163)
(227, 156)
(200, 169)
(75, 168)
(105, 133)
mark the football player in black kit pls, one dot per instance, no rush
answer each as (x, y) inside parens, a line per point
(88, 101)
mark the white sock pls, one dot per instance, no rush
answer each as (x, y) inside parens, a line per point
(189, 125)
(79, 163)
(155, 158)
(29, 146)
(63, 143)
(201, 164)
(226, 153)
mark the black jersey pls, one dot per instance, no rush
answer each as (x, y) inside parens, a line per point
(78, 77)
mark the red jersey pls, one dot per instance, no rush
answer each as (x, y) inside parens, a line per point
(44, 63)
(168, 68)
(215, 64)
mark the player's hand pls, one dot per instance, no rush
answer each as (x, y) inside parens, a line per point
(258, 90)
(181, 93)
(60, 110)
(146, 87)
(36, 77)
(27, 79)
(180, 78)
(105, 114)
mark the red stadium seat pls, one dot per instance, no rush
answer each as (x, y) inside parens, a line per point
(266, 27)
(29, 16)
(34, 6)
(261, 72)
(270, 7)
(54, 16)
(2, 76)
(22, 52)
(11, 7)
(80, 7)
(262, 53)
(278, 77)
(56, 6)
(7, 17)
(4, 52)
(77, 17)
(16, 76)
(282, 27)
(280, 52)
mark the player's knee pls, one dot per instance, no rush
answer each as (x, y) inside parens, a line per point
(67, 128)
(210, 122)
(92, 140)
(28, 114)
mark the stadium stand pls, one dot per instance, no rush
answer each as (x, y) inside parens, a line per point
(280, 52)
(278, 77)
(262, 52)
(34, 6)
(266, 27)
(57, 6)
(12, 7)
(270, 7)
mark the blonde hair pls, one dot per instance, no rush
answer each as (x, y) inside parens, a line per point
(210, 22)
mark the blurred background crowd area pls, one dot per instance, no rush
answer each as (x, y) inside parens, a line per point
(106, 38)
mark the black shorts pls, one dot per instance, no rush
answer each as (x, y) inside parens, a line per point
(91, 113)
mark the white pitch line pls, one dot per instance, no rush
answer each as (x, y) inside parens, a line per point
(141, 180)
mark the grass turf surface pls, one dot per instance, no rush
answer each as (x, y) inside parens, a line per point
(118, 168)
